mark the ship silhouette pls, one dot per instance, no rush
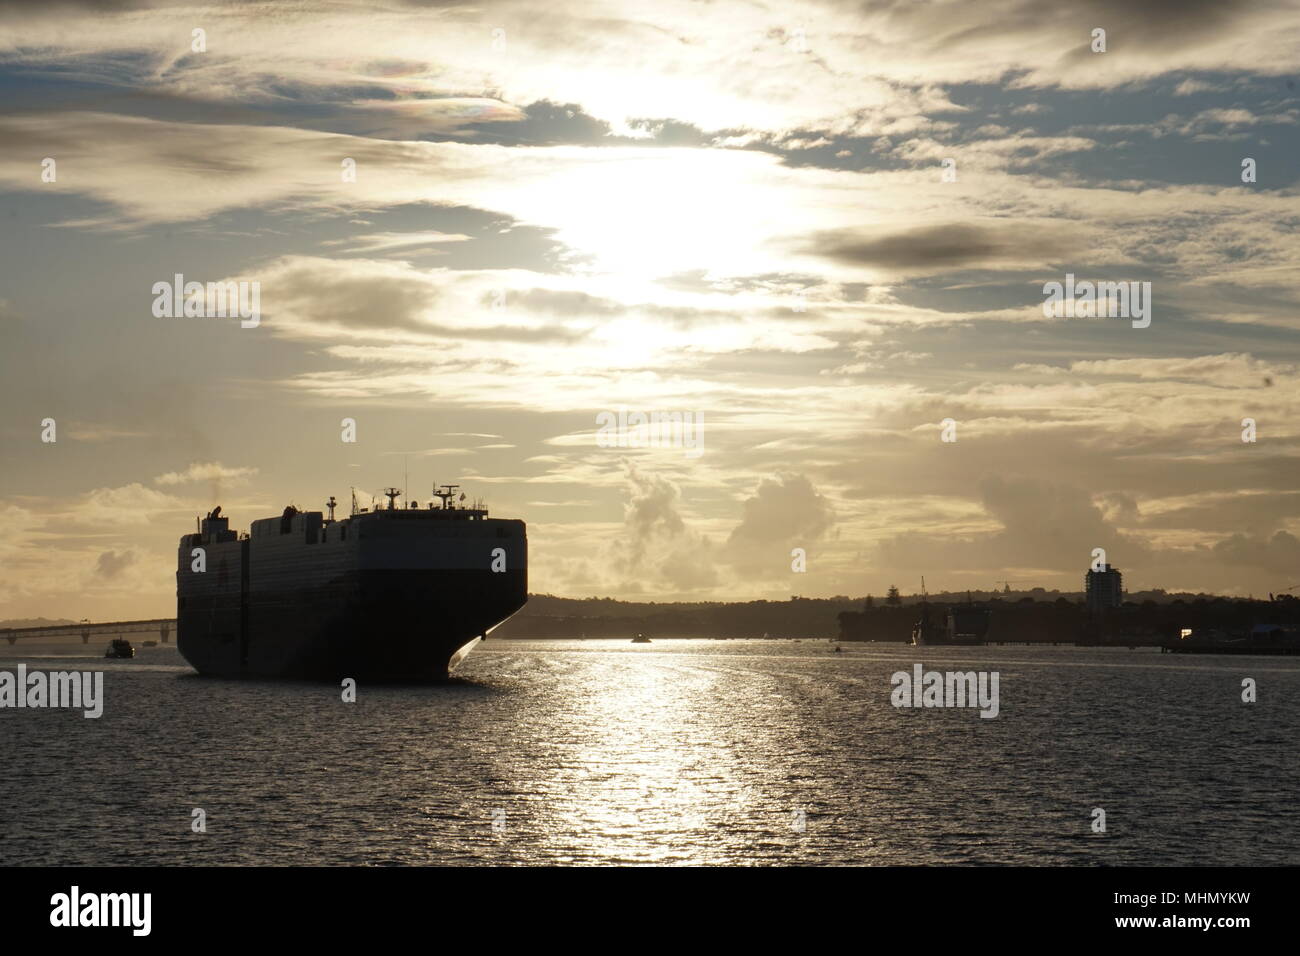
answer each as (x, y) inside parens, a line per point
(400, 593)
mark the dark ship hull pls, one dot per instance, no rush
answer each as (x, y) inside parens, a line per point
(964, 626)
(1266, 641)
(400, 594)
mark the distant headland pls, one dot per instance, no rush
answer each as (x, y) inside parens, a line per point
(1036, 615)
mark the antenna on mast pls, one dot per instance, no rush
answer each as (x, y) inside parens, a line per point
(446, 493)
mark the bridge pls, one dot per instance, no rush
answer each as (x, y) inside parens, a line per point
(163, 626)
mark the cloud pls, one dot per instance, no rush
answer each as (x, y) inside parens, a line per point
(378, 300)
(565, 302)
(16, 524)
(652, 509)
(653, 551)
(131, 504)
(397, 242)
(1281, 552)
(1191, 87)
(784, 512)
(367, 296)
(416, 69)
(205, 471)
(1227, 370)
(945, 246)
(91, 432)
(111, 563)
(1044, 527)
(786, 509)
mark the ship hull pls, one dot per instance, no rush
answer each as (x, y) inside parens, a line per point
(385, 625)
(402, 597)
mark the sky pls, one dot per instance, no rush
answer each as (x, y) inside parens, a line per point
(820, 230)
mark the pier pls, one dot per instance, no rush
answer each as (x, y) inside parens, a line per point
(163, 626)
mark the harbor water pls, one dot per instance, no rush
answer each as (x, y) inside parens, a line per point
(675, 752)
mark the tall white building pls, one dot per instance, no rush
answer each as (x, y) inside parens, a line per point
(1103, 589)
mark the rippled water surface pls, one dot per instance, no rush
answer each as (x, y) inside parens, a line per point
(678, 752)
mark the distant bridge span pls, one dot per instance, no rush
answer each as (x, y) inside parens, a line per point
(162, 625)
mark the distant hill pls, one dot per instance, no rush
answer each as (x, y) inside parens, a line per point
(548, 617)
(36, 622)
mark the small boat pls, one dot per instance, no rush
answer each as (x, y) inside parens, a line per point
(640, 639)
(150, 643)
(120, 647)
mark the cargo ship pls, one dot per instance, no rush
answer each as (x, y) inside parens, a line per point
(396, 593)
(963, 626)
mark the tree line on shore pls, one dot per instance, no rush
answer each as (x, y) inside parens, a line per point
(1039, 615)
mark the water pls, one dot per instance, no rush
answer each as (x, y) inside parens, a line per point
(680, 752)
